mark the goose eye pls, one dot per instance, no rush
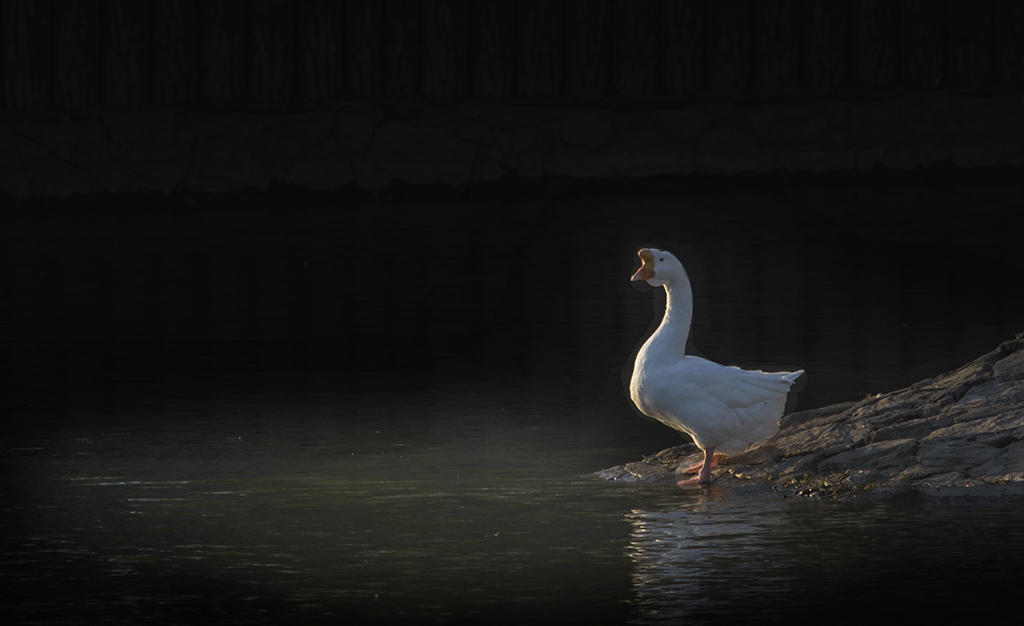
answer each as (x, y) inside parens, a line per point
(661, 259)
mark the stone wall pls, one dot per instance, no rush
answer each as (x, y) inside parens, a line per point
(374, 147)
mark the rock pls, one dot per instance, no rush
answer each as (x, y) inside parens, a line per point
(982, 136)
(162, 159)
(873, 123)
(914, 428)
(957, 434)
(1012, 366)
(476, 133)
(225, 162)
(721, 150)
(1008, 466)
(921, 126)
(588, 128)
(885, 455)
(325, 165)
(578, 163)
(825, 438)
(12, 177)
(790, 124)
(812, 158)
(686, 124)
(422, 155)
(149, 151)
(280, 144)
(955, 454)
(64, 158)
(523, 149)
(371, 146)
(644, 149)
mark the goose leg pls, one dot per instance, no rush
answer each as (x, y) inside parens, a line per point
(696, 467)
(704, 477)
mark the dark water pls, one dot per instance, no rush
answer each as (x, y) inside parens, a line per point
(296, 509)
(271, 509)
(275, 410)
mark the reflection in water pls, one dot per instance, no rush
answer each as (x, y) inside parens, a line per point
(711, 559)
(707, 559)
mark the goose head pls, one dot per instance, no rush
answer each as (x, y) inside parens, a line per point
(659, 267)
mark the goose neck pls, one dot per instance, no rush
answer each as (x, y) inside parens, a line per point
(675, 326)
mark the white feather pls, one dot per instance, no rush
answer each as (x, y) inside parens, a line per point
(725, 408)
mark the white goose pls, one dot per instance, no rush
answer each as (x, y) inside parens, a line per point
(724, 409)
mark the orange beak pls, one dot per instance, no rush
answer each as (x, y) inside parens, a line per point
(646, 271)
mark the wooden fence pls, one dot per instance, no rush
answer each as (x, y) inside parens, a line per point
(82, 55)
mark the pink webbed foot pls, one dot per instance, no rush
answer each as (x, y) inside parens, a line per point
(696, 467)
(703, 469)
(696, 480)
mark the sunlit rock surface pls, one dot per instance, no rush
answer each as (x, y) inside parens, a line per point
(961, 433)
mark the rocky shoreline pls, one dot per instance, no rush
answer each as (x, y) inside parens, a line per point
(375, 147)
(957, 434)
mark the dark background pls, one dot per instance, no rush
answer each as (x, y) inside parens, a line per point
(525, 284)
(868, 280)
(86, 55)
(879, 277)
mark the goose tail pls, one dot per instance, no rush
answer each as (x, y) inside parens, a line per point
(790, 377)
